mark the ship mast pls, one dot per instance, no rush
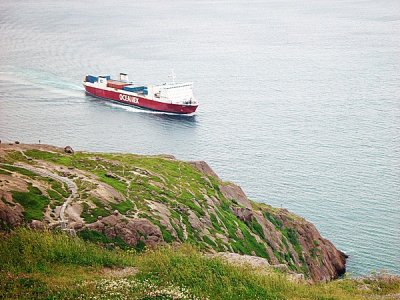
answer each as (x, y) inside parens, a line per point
(172, 76)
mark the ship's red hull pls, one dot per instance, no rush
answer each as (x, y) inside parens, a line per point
(140, 102)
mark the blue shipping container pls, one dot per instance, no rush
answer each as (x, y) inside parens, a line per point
(91, 78)
(135, 89)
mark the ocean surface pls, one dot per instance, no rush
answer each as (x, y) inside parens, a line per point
(299, 100)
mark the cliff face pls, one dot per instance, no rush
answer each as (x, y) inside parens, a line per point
(137, 201)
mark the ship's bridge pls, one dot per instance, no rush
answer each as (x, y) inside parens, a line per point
(175, 93)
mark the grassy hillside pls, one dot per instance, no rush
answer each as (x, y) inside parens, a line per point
(53, 265)
(134, 201)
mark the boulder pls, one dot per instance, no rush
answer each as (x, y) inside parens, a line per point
(240, 259)
(194, 221)
(37, 225)
(69, 150)
(10, 216)
(78, 225)
(110, 175)
(244, 214)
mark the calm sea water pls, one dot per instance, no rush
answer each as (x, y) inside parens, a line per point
(300, 100)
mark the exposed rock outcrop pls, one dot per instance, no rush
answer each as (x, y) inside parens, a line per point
(203, 167)
(235, 192)
(302, 240)
(132, 231)
(330, 262)
(244, 214)
(11, 214)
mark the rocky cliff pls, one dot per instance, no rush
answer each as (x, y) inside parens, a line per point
(137, 201)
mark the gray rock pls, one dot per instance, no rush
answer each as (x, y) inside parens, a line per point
(203, 167)
(12, 215)
(235, 192)
(239, 259)
(37, 225)
(239, 234)
(244, 214)
(110, 175)
(130, 230)
(78, 225)
(69, 150)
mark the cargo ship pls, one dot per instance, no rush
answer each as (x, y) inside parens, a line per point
(168, 97)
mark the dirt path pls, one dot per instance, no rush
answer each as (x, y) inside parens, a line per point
(71, 186)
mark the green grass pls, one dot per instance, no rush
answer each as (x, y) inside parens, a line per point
(209, 241)
(115, 183)
(123, 207)
(243, 246)
(20, 170)
(55, 196)
(98, 237)
(167, 236)
(90, 215)
(53, 265)
(59, 187)
(206, 277)
(215, 224)
(26, 250)
(33, 201)
(215, 279)
(178, 229)
(188, 199)
(4, 172)
(58, 158)
(42, 155)
(256, 228)
(291, 235)
(177, 185)
(277, 223)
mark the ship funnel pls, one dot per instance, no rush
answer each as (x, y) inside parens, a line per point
(123, 77)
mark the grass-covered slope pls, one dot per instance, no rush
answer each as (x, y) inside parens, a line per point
(54, 265)
(134, 201)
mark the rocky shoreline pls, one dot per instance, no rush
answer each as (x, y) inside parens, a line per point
(129, 200)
